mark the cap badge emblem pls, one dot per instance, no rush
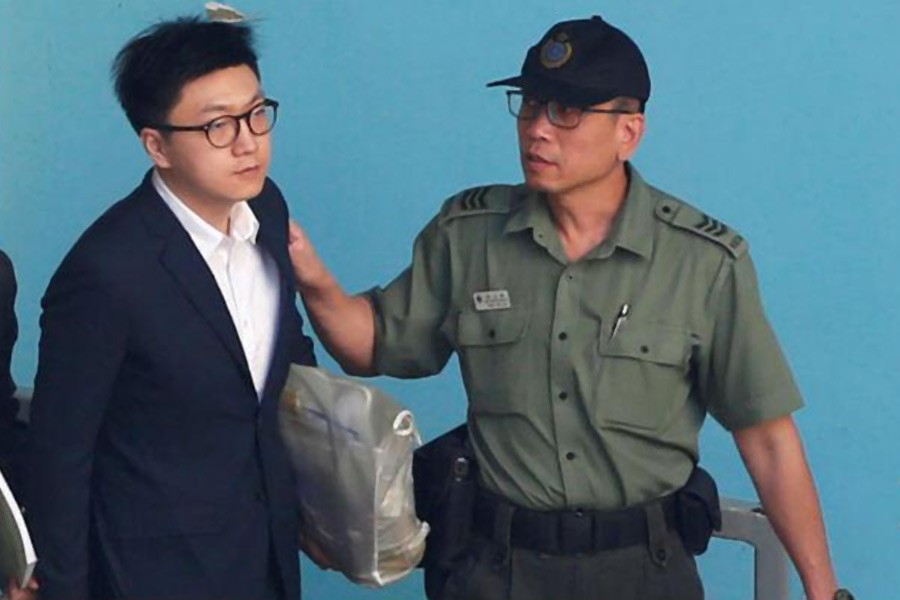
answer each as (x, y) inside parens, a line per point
(556, 51)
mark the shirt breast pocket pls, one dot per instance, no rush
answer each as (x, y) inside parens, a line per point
(642, 375)
(491, 355)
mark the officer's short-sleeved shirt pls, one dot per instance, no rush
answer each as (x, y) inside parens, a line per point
(563, 413)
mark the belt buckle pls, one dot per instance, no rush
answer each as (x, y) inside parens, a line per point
(576, 532)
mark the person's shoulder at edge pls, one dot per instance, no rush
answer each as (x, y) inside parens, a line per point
(7, 276)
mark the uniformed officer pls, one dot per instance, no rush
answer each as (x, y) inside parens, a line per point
(597, 321)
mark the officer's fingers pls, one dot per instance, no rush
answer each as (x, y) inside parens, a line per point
(312, 550)
(295, 234)
(299, 245)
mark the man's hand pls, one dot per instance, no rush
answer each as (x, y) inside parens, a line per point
(316, 554)
(14, 592)
(345, 324)
(309, 270)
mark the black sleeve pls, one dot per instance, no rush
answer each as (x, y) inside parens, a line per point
(83, 338)
(9, 331)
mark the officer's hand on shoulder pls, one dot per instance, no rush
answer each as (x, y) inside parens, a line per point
(309, 270)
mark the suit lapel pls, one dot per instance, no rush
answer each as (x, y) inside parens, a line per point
(272, 238)
(275, 376)
(182, 260)
(188, 268)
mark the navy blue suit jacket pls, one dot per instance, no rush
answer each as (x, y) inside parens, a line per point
(155, 471)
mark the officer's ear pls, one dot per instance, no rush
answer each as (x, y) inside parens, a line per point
(629, 127)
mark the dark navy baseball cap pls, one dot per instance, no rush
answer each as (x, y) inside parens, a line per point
(581, 63)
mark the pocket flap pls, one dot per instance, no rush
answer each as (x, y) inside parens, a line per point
(491, 327)
(650, 342)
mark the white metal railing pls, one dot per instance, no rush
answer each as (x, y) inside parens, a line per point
(746, 522)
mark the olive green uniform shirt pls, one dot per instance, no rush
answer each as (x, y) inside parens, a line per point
(563, 413)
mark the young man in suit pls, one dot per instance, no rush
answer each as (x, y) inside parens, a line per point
(157, 468)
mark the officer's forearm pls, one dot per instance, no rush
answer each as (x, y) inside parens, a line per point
(345, 325)
(774, 456)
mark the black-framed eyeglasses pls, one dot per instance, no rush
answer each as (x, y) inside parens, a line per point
(222, 131)
(527, 108)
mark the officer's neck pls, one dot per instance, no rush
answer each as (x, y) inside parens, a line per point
(584, 215)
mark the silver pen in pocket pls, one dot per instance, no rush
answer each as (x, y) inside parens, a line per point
(620, 319)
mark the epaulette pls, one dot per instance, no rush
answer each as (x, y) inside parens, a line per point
(684, 216)
(477, 201)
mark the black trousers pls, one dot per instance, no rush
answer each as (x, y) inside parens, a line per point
(659, 569)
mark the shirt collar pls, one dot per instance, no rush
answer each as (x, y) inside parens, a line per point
(243, 224)
(532, 212)
(632, 227)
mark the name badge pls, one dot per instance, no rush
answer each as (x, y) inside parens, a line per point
(492, 300)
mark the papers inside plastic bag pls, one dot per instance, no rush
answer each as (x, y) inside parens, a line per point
(351, 447)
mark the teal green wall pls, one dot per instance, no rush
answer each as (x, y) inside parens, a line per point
(782, 119)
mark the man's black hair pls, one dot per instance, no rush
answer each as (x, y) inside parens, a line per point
(153, 67)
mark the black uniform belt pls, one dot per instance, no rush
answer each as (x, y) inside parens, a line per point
(566, 532)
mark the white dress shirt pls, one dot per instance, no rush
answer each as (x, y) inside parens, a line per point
(247, 276)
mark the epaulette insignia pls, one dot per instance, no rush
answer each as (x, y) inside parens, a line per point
(473, 202)
(689, 218)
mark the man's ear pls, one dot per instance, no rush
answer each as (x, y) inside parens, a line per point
(631, 132)
(155, 146)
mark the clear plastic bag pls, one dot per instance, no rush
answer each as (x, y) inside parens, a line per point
(351, 446)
